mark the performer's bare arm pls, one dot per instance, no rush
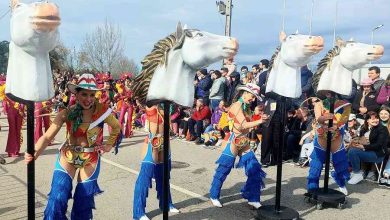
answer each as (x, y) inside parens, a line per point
(49, 135)
(236, 107)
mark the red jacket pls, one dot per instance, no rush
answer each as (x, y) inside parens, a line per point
(203, 113)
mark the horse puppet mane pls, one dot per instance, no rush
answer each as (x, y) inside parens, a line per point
(323, 64)
(272, 61)
(158, 56)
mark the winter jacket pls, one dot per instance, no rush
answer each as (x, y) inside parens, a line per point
(378, 140)
(203, 87)
(202, 114)
(369, 102)
(383, 96)
(216, 116)
(218, 88)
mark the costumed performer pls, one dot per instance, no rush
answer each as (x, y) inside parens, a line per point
(238, 143)
(80, 152)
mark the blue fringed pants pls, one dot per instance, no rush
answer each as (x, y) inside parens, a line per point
(144, 182)
(252, 188)
(158, 176)
(226, 164)
(141, 190)
(83, 199)
(340, 164)
(60, 193)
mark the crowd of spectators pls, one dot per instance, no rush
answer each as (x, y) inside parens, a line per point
(206, 123)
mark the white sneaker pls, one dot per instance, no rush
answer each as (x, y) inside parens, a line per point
(343, 190)
(144, 218)
(173, 209)
(255, 205)
(216, 203)
(356, 178)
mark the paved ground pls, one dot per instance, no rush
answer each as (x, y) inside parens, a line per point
(191, 178)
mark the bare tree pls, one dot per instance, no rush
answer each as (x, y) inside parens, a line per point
(104, 47)
(125, 65)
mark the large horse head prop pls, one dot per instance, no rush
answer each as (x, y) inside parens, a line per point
(334, 71)
(168, 72)
(33, 34)
(295, 51)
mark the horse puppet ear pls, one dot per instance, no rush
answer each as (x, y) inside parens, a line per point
(340, 42)
(14, 3)
(282, 36)
(179, 31)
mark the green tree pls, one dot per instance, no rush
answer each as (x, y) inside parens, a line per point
(4, 51)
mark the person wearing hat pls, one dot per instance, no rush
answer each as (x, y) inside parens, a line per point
(80, 151)
(203, 86)
(238, 143)
(365, 99)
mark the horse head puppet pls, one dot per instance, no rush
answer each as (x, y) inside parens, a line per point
(33, 34)
(334, 71)
(168, 72)
(294, 52)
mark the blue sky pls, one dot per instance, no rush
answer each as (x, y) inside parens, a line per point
(256, 23)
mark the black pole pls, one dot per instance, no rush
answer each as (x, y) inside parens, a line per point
(167, 120)
(328, 144)
(280, 131)
(31, 165)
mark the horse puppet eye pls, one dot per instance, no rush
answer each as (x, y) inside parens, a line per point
(199, 34)
(188, 34)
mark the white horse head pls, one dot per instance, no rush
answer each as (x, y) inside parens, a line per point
(295, 51)
(334, 72)
(33, 34)
(169, 70)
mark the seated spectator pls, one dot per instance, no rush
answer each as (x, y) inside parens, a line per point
(371, 149)
(352, 130)
(198, 118)
(384, 115)
(384, 93)
(294, 134)
(307, 145)
(175, 119)
(365, 99)
(185, 115)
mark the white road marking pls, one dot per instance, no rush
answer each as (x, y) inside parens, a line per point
(177, 188)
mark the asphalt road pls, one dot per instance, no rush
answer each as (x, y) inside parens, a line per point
(193, 168)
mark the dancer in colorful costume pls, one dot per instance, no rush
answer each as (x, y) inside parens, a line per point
(334, 78)
(42, 118)
(237, 143)
(15, 115)
(83, 123)
(126, 107)
(174, 61)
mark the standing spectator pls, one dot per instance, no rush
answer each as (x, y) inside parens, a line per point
(244, 71)
(372, 150)
(307, 89)
(374, 73)
(235, 81)
(200, 115)
(256, 72)
(365, 99)
(264, 65)
(203, 86)
(384, 93)
(217, 89)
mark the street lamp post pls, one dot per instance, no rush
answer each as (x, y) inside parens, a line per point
(373, 32)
